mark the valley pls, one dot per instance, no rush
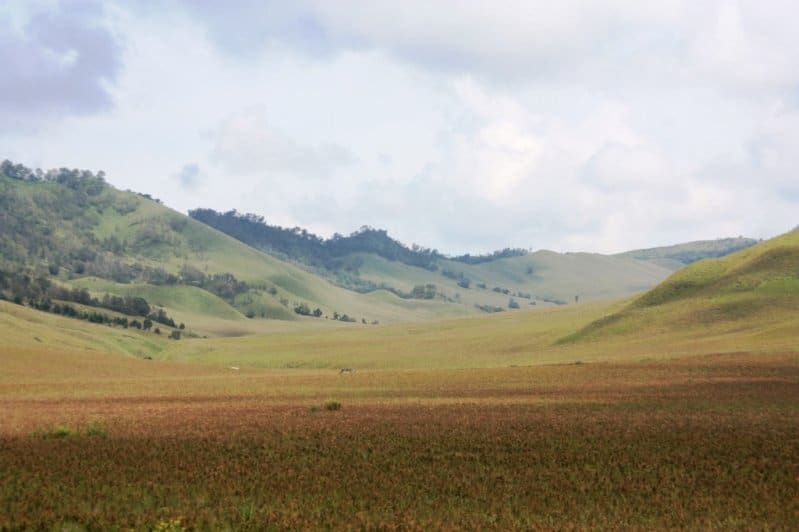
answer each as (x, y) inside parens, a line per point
(629, 391)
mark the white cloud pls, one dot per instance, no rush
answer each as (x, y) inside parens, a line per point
(246, 144)
(190, 175)
(465, 126)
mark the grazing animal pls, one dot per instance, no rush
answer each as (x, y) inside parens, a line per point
(348, 371)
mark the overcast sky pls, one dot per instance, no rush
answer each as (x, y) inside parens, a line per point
(466, 126)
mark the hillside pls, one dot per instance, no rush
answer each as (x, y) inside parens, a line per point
(369, 259)
(690, 252)
(69, 238)
(66, 230)
(751, 288)
(70, 228)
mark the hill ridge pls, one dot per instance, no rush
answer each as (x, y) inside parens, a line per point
(753, 281)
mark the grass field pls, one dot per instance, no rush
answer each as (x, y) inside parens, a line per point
(472, 423)
(677, 409)
(705, 442)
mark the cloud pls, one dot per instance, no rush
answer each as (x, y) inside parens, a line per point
(245, 27)
(613, 43)
(465, 126)
(59, 61)
(190, 176)
(245, 144)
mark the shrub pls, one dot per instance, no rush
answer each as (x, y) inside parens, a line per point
(94, 429)
(332, 406)
(54, 433)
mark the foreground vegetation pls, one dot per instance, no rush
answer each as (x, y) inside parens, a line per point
(707, 442)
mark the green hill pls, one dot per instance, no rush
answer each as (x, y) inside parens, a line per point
(369, 259)
(68, 230)
(745, 290)
(690, 252)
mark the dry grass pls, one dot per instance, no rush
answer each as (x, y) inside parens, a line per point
(704, 442)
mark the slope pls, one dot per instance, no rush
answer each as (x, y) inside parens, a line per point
(369, 259)
(690, 252)
(73, 228)
(747, 290)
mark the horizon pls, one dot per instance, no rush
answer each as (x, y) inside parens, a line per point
(584, 127)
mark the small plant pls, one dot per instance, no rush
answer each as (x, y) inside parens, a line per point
(332, 406)
(94, 429)
(314, 409)
(247, 511)
(170, 525)
(54, 433)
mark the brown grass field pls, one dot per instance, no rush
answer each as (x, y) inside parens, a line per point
(113, 443)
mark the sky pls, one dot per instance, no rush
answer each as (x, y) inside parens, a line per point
(465, 126)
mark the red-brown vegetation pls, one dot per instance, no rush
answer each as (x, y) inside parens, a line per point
(697, 443)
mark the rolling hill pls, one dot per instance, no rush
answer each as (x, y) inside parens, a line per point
(70, 228)
(746, 302)
(754, 289)
(678, 255)
(73, 229)
(66, 230)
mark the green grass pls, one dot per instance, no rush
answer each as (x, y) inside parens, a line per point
(332, 406)
(29, 333)
(56, 432)
(688, 252)
(154, 236)
(753, 288)
(180, 299)
(554, 275)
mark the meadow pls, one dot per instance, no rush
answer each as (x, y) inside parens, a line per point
(707, 442)
(503, 429)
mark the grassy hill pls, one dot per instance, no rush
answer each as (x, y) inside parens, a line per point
(746, 302)
(748, 290)
(690, 252)
(370, 259)
(81, 232)
(73, 229)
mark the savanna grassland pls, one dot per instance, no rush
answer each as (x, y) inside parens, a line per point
(675, 409)
(102, 441)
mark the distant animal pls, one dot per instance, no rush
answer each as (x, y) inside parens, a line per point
(234, 368)
(346, 370)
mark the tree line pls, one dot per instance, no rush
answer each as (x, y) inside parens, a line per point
(301, 245)
(40, 293)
